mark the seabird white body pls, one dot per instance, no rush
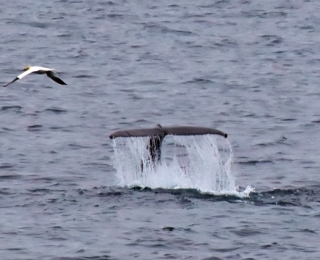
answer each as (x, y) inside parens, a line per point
(38, 70)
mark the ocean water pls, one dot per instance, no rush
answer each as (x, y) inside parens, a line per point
(248, 68)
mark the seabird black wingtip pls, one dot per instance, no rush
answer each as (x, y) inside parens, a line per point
(11, 82)
(225, 135)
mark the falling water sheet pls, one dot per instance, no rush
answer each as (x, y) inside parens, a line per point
(187, 162)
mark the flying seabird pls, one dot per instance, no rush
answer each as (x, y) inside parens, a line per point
(38, 70)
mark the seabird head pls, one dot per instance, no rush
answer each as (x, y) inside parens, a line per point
(26, 68)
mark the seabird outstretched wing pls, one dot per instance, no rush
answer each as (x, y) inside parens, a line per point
(22, 75)
(52, 76)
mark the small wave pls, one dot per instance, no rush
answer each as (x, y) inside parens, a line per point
(254, 162)
(197, 194)
(11, 108)
(6, 166)
(78, 146)
(84, 76)
(263, 14)
(272, 40)
(40, 25)
(61, 128)
(177, 31)
(164, 29)
(198, 80)
(149, 82)
(297, 197)
(34, 128)
(102, 192)
(56, 110)
(9, 176)
(102, 257)
(115, 16)
(286, 197)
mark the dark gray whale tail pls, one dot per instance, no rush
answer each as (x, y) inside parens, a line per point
(163, 131)
(158, 133)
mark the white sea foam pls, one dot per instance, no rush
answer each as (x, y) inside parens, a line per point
(194, 162)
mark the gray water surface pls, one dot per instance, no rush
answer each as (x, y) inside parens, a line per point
(248, 68)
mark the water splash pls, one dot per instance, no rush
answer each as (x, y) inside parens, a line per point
(193, 162)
